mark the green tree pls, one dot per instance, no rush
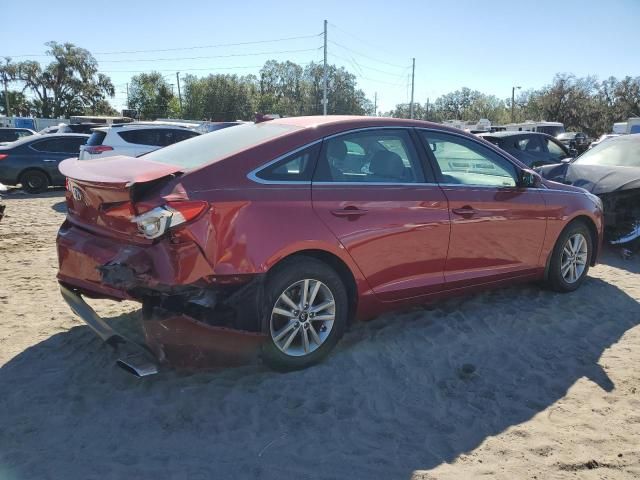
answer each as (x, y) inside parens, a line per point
(150, 94)
(18, 104)
(220, 97)
(69, 85)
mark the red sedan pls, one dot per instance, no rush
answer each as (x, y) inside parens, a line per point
(271, 238)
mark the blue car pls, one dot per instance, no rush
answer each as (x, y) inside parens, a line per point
(33, 161)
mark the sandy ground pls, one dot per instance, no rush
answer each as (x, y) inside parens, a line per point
(513, 384)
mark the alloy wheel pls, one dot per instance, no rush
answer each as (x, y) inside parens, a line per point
(302, 317)
(574, 258)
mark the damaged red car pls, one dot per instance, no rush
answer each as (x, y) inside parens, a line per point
(269, 239)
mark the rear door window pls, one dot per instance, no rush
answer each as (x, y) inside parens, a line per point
(371, 156)
(96, 138)
(60, 145)
(8, 136)
(297, 167)
(145, 136)
(172, 136)
(72, 145)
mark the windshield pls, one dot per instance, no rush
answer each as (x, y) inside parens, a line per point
(214, 146)
(616, 152)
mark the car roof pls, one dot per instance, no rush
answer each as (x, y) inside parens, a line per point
(350, 120)
(34, 138)
(135, 126)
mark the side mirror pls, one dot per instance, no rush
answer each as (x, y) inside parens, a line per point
(529, 179)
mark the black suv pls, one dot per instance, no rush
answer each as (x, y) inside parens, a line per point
(531, 148)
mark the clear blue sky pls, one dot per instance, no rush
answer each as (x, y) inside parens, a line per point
(485, 45)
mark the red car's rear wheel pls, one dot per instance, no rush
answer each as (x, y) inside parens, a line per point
(306, 305)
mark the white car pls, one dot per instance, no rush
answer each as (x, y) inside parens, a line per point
(132, 139)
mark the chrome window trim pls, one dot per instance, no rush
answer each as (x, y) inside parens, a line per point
(253, 174)
(368, 184)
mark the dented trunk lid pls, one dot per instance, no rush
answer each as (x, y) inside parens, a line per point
(101, 193)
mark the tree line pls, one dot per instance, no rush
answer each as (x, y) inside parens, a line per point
(71, 84)
(581, 104)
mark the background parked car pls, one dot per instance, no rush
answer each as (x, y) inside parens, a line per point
(603, 137)
(531, 148)
(8, 135)
(577, 140)
(33, 161)
(133, 139)
(611, 171)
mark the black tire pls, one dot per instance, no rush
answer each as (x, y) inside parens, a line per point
(555, 279)
(34, 181)
(279, 281)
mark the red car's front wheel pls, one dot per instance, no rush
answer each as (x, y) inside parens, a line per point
(306, 305)
(571, 258)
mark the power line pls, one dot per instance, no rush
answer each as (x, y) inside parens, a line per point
(207, 69)
(173, 59)
(195, 47)
(366, 42)
(360, 65)
(366, 56)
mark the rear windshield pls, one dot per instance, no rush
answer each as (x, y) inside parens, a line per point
(96, 138)
(214, 146)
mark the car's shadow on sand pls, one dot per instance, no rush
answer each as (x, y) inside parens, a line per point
(398, 395)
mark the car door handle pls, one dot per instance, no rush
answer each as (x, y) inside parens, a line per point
(349, 212)
(49, 160)
(465, 211)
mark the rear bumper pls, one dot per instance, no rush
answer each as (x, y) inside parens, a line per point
(111, 268)
(188, 321)
(174, 339)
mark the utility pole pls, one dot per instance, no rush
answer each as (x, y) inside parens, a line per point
(513, 101)
(128, 96)
(375, 104)
(413, 75)
(6, 98)
(324, 75)
(427, 112)
(179, 94)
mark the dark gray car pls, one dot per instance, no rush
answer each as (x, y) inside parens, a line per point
(33, 161)
(531, 148)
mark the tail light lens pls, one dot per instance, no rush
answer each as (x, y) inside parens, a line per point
(97, 149)
(156, 222)
(3, 156)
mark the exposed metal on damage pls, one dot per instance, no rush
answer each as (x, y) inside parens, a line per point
(139, 359)
(629, 237)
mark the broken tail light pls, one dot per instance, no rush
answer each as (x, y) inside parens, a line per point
(157, 221)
